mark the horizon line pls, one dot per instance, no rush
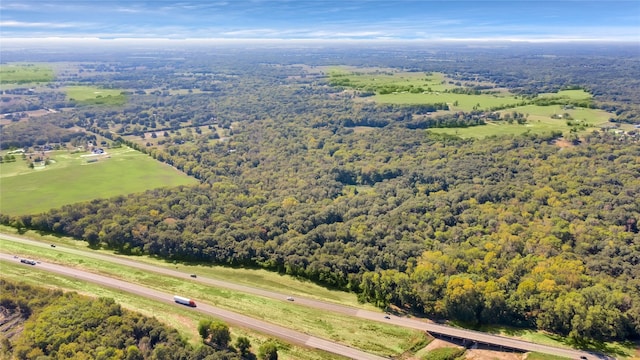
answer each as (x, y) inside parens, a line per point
(558, 39)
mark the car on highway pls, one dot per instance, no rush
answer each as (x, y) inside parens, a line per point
(289, 298)
(387, 317)
(53, 245)
(193, 275)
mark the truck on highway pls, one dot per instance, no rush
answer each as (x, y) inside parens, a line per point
(184, 301)
(28, 261)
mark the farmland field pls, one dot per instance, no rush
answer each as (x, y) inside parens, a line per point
(415, 88)
(464, 102)
(88, 95)
(25, 73)
(539, 121)
(74, 178)
(377, 80)
(569, 94)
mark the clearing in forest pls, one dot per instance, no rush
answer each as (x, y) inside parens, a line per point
(75, 177)
(93, 95)
(540, 120)
(25, 73)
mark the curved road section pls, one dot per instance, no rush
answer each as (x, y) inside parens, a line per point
(227, 316)
(470, 335)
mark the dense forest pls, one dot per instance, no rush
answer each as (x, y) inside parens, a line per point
(40, 323)
(513, 230)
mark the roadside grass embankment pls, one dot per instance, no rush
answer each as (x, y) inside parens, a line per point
(620, 350)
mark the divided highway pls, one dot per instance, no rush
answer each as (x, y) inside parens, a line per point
(280, 332)
(290, 335)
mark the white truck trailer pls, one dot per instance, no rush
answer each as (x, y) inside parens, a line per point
(184, 301)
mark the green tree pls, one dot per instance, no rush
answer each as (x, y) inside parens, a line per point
(220, 335)
(268, 351)
(243, 345)
(133, 353)
(203, 328)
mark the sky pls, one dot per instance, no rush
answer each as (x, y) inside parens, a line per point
(529, 20)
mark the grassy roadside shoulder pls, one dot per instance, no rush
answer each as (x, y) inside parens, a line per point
(185, 321)
(258, 278)
(358, 333)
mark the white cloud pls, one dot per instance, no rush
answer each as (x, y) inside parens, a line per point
(24, 24)
(251, 32)
(16, 6)
(128, 10)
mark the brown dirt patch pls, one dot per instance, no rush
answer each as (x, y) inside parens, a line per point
(563, 143)
(437, 344)
(479, 354)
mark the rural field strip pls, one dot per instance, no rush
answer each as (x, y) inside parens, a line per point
(471, 335)
(224, 315)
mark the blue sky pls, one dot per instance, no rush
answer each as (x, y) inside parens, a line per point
(323, 19)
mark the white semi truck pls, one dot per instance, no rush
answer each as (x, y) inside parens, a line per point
(184, 301)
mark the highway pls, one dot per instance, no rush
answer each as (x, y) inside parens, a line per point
(229, 317)
(470, 335)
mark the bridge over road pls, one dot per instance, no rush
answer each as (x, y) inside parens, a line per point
(443, 331)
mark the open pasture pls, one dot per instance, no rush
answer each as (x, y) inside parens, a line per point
(25, 73)
(539, 121)
(415, 88)
(456, 102)
(93, 95)
(380, 80)
(590, 116)
(72, 177)
(578, 94)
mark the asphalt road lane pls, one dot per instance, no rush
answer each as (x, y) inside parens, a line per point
(342, 309)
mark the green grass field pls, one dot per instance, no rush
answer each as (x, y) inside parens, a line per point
(70, 179)
(539, 356)
(25, 73)
(445, 353)
(374, 80)
(569, 94)
(464, 102)
(93, 95)
(539, 121)
(357, 333)
(415, 88)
